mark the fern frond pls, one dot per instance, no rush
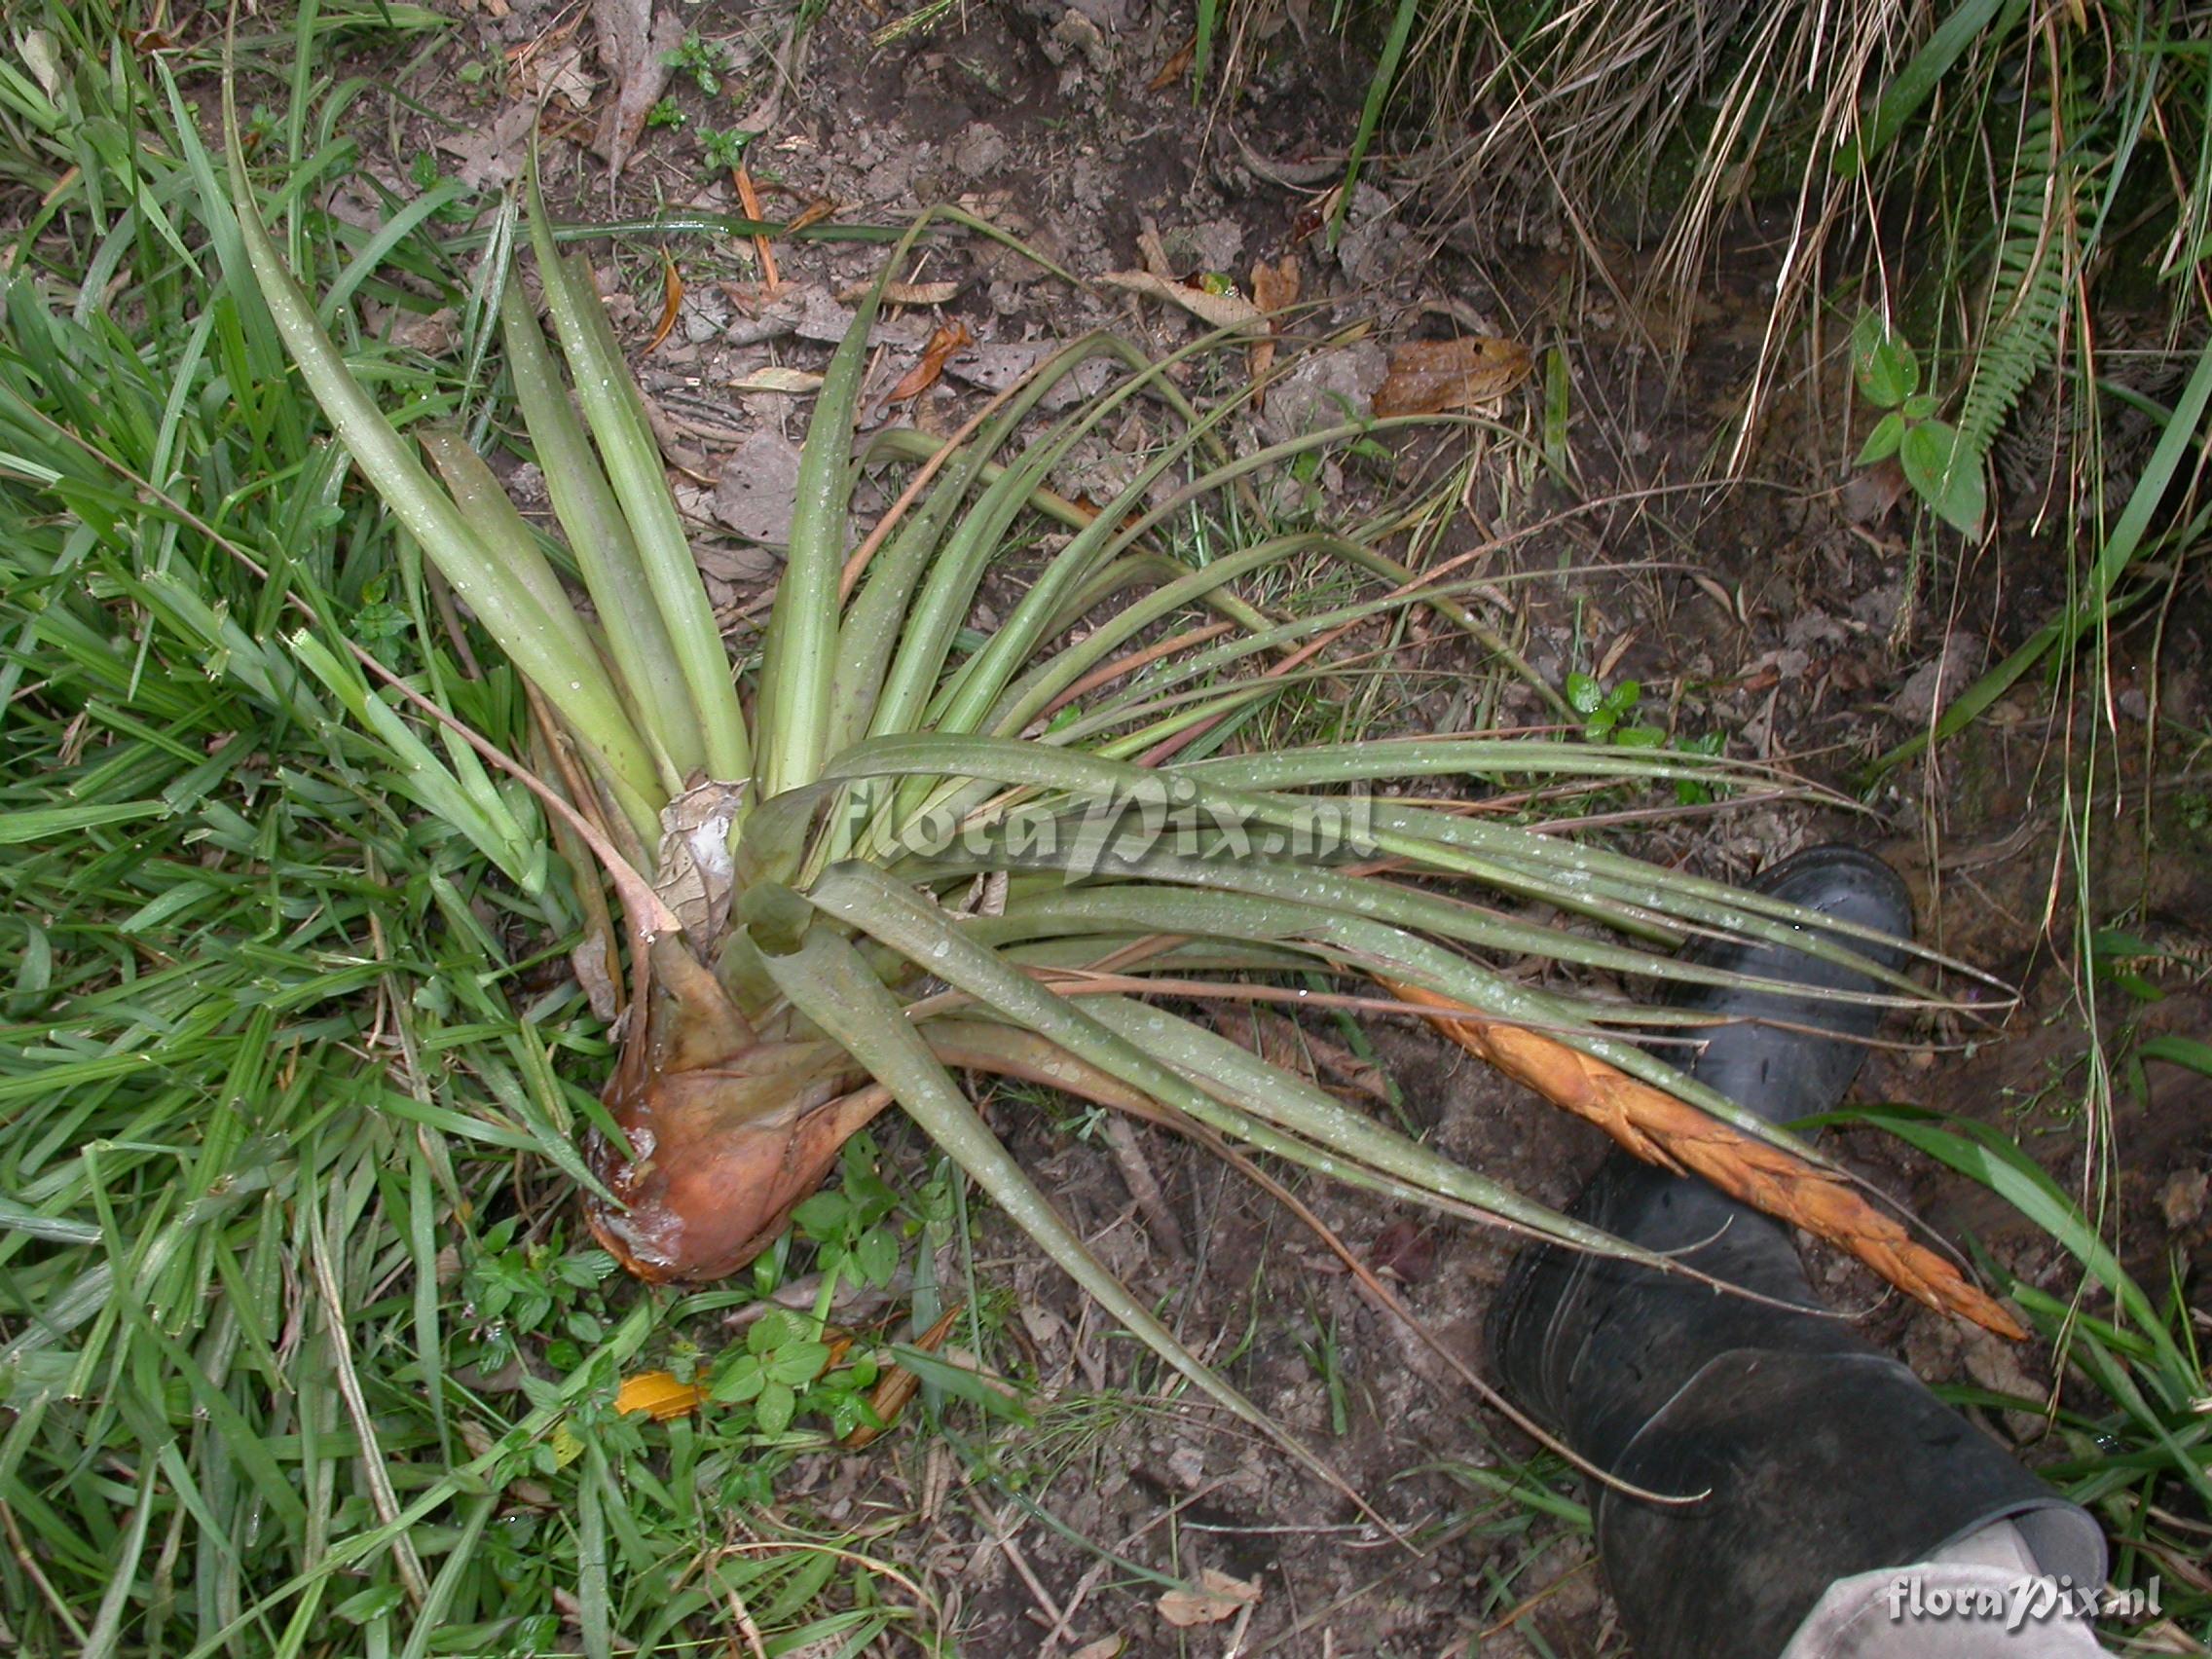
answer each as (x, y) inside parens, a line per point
(2036, 256)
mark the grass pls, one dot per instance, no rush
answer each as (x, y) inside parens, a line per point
(304, 1351)
(2132, 1416)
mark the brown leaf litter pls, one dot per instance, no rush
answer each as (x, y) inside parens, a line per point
(1431, 376)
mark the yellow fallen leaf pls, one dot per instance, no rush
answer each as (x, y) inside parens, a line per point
(658, 1393)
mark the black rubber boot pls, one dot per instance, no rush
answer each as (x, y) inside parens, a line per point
(1822, 1456)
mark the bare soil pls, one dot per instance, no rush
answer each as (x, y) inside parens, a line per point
(1786, 613)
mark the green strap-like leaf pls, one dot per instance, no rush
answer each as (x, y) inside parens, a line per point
(828, 982)
(605, 552)
(615, 413)
(801, 645)
(891, 911)
(529, 633)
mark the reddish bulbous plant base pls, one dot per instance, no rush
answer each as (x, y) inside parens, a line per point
(727, 1133)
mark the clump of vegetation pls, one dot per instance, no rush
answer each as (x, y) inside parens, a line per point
(2022, 193)
(887, 869)
(310, 791)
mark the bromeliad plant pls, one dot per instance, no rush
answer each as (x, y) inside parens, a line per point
(921, 852)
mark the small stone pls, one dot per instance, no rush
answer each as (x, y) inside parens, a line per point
(2183, 1200)
(980, 149)
(1188, 1464)
(1324, 389)
(1933, 684)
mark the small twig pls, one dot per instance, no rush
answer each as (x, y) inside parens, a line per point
(1144, 1187)
(1520, 1608)
(29, 1564)
(378, 1478)
(746, 1628)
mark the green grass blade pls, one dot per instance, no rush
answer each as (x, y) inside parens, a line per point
(2182, 436)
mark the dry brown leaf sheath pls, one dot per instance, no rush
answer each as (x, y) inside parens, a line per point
(1676, 1135)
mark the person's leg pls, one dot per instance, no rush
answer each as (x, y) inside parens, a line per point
(1985, 1596)
(1822, 1456)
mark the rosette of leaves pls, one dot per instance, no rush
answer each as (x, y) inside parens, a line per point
(898, 850)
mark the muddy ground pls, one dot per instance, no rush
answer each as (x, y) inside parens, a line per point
(1786, 613)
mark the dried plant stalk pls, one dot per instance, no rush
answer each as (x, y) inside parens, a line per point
(1675, 1135)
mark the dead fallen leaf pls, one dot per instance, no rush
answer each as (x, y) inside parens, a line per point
(672, 302)
(432, 335)
(1105, 1648)
(733, 565)
(1275, 289)
(773, 377)
(1172, 70)
(696, 870)
(1218, 1597)
(946, 339)
(1228, 309)
(491, 156)
(1406, 1250)
(1428, 376)
(813, 213)
(41, 58)
(905, 293)
(749, 199)
(999, 364)
(1152, 253)
(1614, 653)
(1713, 591)
(561, 75)
(758, 487)
(633, 47)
